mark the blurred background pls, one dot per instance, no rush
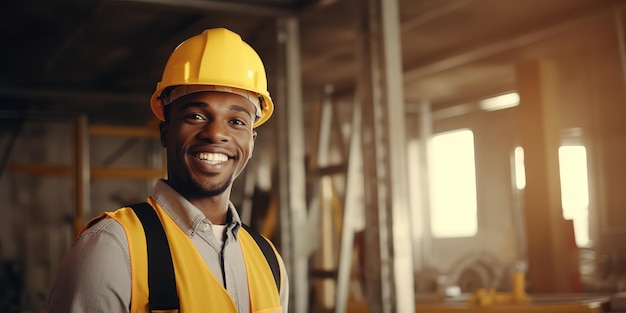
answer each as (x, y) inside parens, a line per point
(421, 152)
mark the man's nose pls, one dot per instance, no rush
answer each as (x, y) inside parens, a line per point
(215, 131)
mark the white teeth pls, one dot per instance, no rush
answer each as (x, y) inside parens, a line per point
(212, 158)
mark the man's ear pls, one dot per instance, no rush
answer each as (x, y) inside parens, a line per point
(163, 129)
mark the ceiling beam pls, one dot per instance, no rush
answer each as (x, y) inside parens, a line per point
(82, 96)
(442, 9)
(223, 6)
(491, 49)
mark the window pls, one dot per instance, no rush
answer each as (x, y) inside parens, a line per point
(575, 190)
(453, 208)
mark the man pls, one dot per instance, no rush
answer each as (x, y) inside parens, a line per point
(212, 94)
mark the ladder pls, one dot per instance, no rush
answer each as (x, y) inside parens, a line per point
(336, 212)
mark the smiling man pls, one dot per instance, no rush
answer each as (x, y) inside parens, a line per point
(185, 249)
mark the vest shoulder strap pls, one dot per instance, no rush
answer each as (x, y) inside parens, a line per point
(268, 252)
(161, 278)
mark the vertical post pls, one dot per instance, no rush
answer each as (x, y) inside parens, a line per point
(389, 265)
(280, 113)
(323, 193)
(81, 172)
(541, 131)
(292, 166)
(426, 132)
(353, 193)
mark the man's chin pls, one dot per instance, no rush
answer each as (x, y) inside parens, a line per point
(212, 190)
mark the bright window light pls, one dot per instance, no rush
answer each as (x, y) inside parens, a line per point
(453, 209)
(575, 190)
(500, 102)
(520, 170)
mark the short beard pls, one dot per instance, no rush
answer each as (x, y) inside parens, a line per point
(212, 190)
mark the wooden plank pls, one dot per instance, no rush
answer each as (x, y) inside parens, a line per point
(142, 132)
(96, 171)
(547, 251)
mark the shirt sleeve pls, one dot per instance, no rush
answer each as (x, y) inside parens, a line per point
(94, 275)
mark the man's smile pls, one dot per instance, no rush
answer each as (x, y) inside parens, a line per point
(212, 158)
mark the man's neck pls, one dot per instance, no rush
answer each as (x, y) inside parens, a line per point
(215, 209)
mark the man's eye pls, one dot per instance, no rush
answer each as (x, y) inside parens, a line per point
(195, 116)
(238, 122)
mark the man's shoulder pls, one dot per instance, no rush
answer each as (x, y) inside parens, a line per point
(104, 225)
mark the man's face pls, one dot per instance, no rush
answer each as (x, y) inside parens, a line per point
(209, 139)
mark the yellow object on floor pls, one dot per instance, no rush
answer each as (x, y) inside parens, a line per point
(490, 301)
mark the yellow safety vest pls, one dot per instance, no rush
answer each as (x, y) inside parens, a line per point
(198, 290)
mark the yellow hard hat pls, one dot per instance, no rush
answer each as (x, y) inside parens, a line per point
(216, 57)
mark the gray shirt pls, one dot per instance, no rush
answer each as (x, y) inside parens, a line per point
(94, 276)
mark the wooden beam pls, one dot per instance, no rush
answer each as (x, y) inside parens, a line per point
(142, 132)
(127, 173)
(547, 251)
(96, 171)
(41, 170)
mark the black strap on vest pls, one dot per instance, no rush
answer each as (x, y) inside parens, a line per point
(161, 277)
(268, 252)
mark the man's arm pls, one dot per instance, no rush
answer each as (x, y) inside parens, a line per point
(94, 275)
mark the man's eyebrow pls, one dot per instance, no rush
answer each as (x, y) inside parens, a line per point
(240, 108)
(195, 104)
